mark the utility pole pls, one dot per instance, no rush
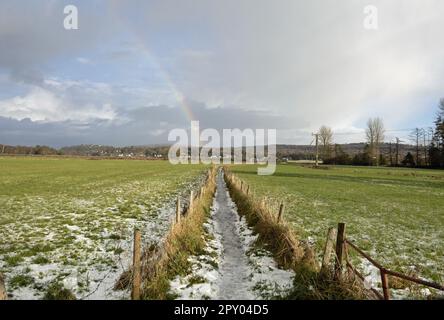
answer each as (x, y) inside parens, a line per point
(391, 155)
(336, 153)
(397, 151)
(417, 133)
(415, 136)
(424, 135)
(317, 149)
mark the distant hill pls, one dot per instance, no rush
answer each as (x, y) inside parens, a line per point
(295, 152)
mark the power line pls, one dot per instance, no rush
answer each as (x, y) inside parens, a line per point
(317, 148)
(363, 132)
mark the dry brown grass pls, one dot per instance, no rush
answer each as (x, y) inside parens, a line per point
(278, 237)
(3, 295)
(163, 263)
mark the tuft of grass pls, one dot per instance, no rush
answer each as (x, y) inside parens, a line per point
(56, 291)
(118, 251)
(124, 280)
(196, 280)
(13, 260)
(41, 260)
(21, 280)
(115, 236)
(312, 285)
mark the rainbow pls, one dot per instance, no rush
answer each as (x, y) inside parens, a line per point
(180, 97)
(144, 49)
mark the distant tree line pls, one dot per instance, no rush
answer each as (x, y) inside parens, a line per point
(23, 150)
(89, 150)
(428, 146)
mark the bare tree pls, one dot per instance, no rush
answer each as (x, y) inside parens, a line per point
(375, 136)
(326, 139)
(415, 137)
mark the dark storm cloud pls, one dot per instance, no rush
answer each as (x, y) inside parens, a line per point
(32, 33)
(140, 126)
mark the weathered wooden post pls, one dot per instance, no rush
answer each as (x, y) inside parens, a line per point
(135, 293)
(191, 201)
(3, 294)
(328, 249)
(339, 250)
(178, 210)
(385, 285)
(281, 212)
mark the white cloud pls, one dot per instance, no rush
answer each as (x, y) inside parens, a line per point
(42, 105)
(83, 60)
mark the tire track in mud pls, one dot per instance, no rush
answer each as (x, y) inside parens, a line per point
(232, 267)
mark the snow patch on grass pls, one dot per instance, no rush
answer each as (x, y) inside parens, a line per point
(84, 240)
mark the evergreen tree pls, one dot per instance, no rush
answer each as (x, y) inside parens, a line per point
(409, 160)
(437, 147)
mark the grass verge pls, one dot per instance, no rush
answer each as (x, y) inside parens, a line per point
(289, 252)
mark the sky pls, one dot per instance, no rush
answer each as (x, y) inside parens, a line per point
(134, 70)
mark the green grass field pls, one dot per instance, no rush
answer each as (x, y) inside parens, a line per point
(396, 215)
(72, 219)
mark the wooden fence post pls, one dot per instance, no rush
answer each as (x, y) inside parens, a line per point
(178, 210)
(191, 201)
(135, 293)
(281, 212)
(3, 294)
(385, 285)
(328, 249)
(339, 250)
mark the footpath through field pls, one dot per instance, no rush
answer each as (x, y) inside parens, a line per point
(234, 268)
(233, 265)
